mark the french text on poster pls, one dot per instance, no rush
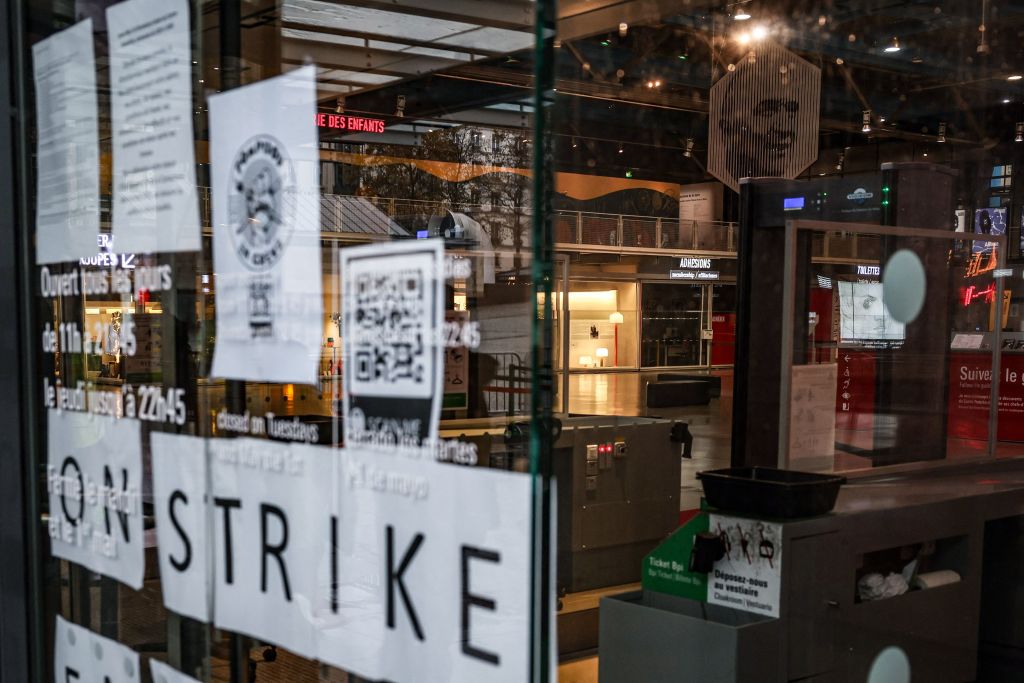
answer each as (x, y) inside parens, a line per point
(749, 577)
(67, 146)
(94, 482)
(154, 183)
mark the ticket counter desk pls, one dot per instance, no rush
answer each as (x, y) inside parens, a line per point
(963, 524)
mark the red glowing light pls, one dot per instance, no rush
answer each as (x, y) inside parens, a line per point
(354, 124)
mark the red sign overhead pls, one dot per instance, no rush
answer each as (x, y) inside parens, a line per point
(353, 124)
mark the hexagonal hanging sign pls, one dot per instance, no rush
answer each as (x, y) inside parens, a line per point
(763, 118)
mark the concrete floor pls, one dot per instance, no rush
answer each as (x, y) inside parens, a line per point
(623, 394)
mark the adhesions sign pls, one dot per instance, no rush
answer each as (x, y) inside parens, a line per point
(349, 556)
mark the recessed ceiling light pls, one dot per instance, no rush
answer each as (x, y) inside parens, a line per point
(742, 15)
(1006, 100)
(1014, 77)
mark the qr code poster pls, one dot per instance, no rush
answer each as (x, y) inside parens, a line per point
(392, 316)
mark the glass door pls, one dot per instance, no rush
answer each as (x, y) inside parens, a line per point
(721, 346)
(673, 315)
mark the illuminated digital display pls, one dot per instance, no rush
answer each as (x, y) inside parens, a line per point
(792, 203)
(353, 124)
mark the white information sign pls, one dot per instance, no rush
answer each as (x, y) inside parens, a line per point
(94, 481)
(389, 565)
(812, 411)
(271, 520)
(179, 490)
(393, 314)
(81, 656)
(749, 577)
(266, 230)
(165, 674)
(154, 181)
(67, 146)
(434, 576)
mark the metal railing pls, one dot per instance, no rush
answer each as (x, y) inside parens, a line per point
(621, 230)
(581, 228)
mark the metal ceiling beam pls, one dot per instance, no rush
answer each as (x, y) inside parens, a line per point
(514, 15)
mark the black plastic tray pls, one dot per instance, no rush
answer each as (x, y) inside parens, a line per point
(770, 492)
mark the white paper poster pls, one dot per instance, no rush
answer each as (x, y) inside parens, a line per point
(266, 230)
(94, 481)
(166, 674)
(179, 491)
(81, 656)
(271, 520)
(433, 572)
(67, 147)
(812, 411)
(749, 577)
(154, 181)
(393, 312)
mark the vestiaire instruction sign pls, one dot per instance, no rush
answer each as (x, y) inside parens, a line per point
(266, 230)
(79, 655)
(94, 482)
(749, 577)
(154, 183)
(67, 146)
(393, 315)
(352, 556)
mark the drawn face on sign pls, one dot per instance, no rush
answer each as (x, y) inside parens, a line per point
(764, 117)
(262, 202)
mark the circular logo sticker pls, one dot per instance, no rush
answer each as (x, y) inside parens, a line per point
(261, 202)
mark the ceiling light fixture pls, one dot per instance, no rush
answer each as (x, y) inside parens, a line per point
(741, 15)
(688, 152)
(1006, 100)
(866, 121)
(339, 107)
(894, 46)
(620, 148)
(942, 132)
(1014, 77)
(623, 29)
(1020, 132)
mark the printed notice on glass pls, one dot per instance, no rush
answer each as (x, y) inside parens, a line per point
(154, 181)
(94, 482)
(392, 318)
(431, 581)
(79, 655)
(749, 577)
(67, 147)
(266, 230)
(179, 490)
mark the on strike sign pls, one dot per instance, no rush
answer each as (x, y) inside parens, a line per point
(350, 556)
